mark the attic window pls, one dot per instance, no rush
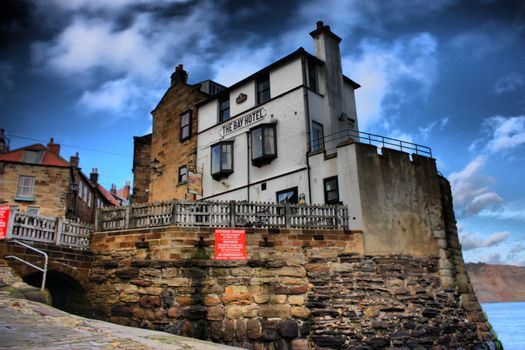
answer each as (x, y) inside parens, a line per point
(263, 89)
(224, 108)
(32, 157)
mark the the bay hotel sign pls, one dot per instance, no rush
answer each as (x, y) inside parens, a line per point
(244, 121)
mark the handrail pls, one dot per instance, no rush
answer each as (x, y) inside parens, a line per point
(371, 139)
(44, 270)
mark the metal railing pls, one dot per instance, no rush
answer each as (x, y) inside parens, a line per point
(222, 214)
(330, 142)
(41, 269)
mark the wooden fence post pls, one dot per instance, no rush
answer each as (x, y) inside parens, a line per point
(127, 220)
(58, 230)
(232, 213)
(174, 212)
(287, 215)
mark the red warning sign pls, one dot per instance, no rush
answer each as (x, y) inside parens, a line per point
(230, 244)
(4, 219)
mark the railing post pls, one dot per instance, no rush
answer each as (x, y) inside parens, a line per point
(58, 230)
(232, 214)
(11, 224)
(287, 215)
(173, 212)
(127, 220)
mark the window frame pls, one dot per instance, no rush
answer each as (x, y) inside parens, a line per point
(36, 209)
(222, 100)
(321, 146)
(30, 186)
(312, 76)
(294, 189)
(180, 177)
(260, 92)
(188, 126)
(325, 182)
(223, 172)
(265, 157)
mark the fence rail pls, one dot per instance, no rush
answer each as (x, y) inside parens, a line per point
(44, 229)
(222, 214)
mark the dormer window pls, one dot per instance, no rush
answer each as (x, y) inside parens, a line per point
(263, 89)
(264, 144)
(222, 159)
(224, 108)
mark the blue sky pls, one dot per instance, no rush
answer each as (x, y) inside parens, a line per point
(443, 73)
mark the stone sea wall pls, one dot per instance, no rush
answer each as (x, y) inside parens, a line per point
(299, 289)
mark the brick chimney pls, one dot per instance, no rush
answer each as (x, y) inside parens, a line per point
(126, 190)
(179, 76)
(93, 176)
(74, 161)
(53, 147)
(4, 142)
(113, 190)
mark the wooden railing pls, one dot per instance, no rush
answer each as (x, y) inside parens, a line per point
(222, 214)
(44, 229)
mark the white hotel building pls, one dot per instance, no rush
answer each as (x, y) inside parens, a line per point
(268, 137)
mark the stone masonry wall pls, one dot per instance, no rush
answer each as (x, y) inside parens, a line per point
(141, 168)
(166, 146)
(299, 289)
(50, 189)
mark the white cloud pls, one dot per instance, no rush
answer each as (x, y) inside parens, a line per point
(506, 133)
(470, 241)
(102, 5)
(482, 41)
(425, 131)
(470, 189)
(509, 82)
(507, 211)
(383, 65)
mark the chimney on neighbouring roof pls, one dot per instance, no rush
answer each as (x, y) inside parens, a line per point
(179, 76)
(93, 177)
(125, 190)
(113, 190)
(53, 147)
(74, 161)
(4, 142)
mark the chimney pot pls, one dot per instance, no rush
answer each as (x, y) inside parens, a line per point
(320, 24)
(74, 161)
(93, 177)
(179, 76)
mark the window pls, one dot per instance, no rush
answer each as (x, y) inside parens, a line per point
(32, 157)
(33, 210)
(80, 189)
(264, 144)
(185, 125)
(224, 108)
(331, 190)
(89, 198)
(84, 193)
(183, 174)
(222, 160)
(26, 186)
(263, 89)
(317, 137)
(288, 196)
(312, 76)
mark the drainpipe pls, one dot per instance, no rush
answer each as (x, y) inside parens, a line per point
(248, 165)
(307, 113)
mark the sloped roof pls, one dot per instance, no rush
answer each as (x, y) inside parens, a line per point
(49, 158)
(107, 195)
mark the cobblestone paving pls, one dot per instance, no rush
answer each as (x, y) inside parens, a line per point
(26, 324)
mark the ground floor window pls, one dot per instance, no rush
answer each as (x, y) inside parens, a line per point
(289, 195)
(222, 159)
(183, 174)
(33, 210)
(331, 190)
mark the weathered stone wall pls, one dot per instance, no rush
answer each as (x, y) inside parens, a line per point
(166, 146)
(50, 189)
(400, 202)
(141, 168)
(299, 289)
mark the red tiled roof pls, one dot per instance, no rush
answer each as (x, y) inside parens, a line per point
(107, 195)
(49, 157)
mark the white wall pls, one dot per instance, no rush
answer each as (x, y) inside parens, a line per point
(286, 77)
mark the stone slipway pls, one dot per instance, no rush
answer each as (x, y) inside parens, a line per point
(26, 324)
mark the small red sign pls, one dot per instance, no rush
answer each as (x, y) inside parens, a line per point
(230, 244)
(4, 217)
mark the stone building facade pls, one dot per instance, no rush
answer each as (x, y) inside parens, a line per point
(141, 168)
(37, 180)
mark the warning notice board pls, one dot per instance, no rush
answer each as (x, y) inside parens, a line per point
(4, 217)
(230, 244)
